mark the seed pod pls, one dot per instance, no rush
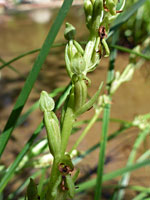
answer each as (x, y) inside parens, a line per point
(80, 94)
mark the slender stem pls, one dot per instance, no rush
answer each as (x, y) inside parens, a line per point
(88, 127)
(98, 189)
(125, 178)
(53, 179)
(105, 123)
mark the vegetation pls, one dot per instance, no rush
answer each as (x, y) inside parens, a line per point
(103, 20)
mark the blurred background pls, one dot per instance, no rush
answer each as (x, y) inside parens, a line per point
(24, 25)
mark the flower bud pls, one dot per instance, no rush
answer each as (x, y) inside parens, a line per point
(111, 6)
(46, 102)
(70, 31)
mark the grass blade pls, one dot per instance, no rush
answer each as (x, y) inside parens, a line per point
(11, 170)
(124, 49)
(126, 177)
(109, 176)
(105, 123)
(98, 188)
(29, 53)
(10, 125)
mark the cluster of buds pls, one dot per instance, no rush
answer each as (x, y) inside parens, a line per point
(142, 121)
(129, 70)
(99, 15)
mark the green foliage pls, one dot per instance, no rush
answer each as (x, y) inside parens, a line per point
(60, 184)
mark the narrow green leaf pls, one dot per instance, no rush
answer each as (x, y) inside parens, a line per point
(10, 125)
(124, 49)
(94, 147)
(114, 174)
(98, 188)
(140, 196)
(13, 69)
(29, 53)
(11, 170)
(105, 122)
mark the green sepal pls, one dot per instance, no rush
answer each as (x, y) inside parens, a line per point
(78, 64)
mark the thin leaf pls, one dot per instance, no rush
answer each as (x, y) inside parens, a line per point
(11, 170)
(124, 49)
(10, 125)
(105, 124)
(29, 53)
(114, 174)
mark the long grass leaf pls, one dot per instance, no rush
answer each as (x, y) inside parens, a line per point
(105, 124)
(114, 174)
(10, 125)
(13, 69)
(94, 147)
(29, 53)
(126, 177)
(124, 49)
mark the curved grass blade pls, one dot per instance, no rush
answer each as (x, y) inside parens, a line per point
(124, 49)
(13, 69)
(114, 174)
(11, 170)
(94, 147)
(105, 123)
(126, 177)
(10, 125)
(29, 53)
(140, 196)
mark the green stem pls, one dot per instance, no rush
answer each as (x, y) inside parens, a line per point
(106, 116)
(98, 189)
(125, 179)
(53, 178)
(88, 127)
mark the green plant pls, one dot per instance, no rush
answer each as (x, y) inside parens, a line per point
(79, 62)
